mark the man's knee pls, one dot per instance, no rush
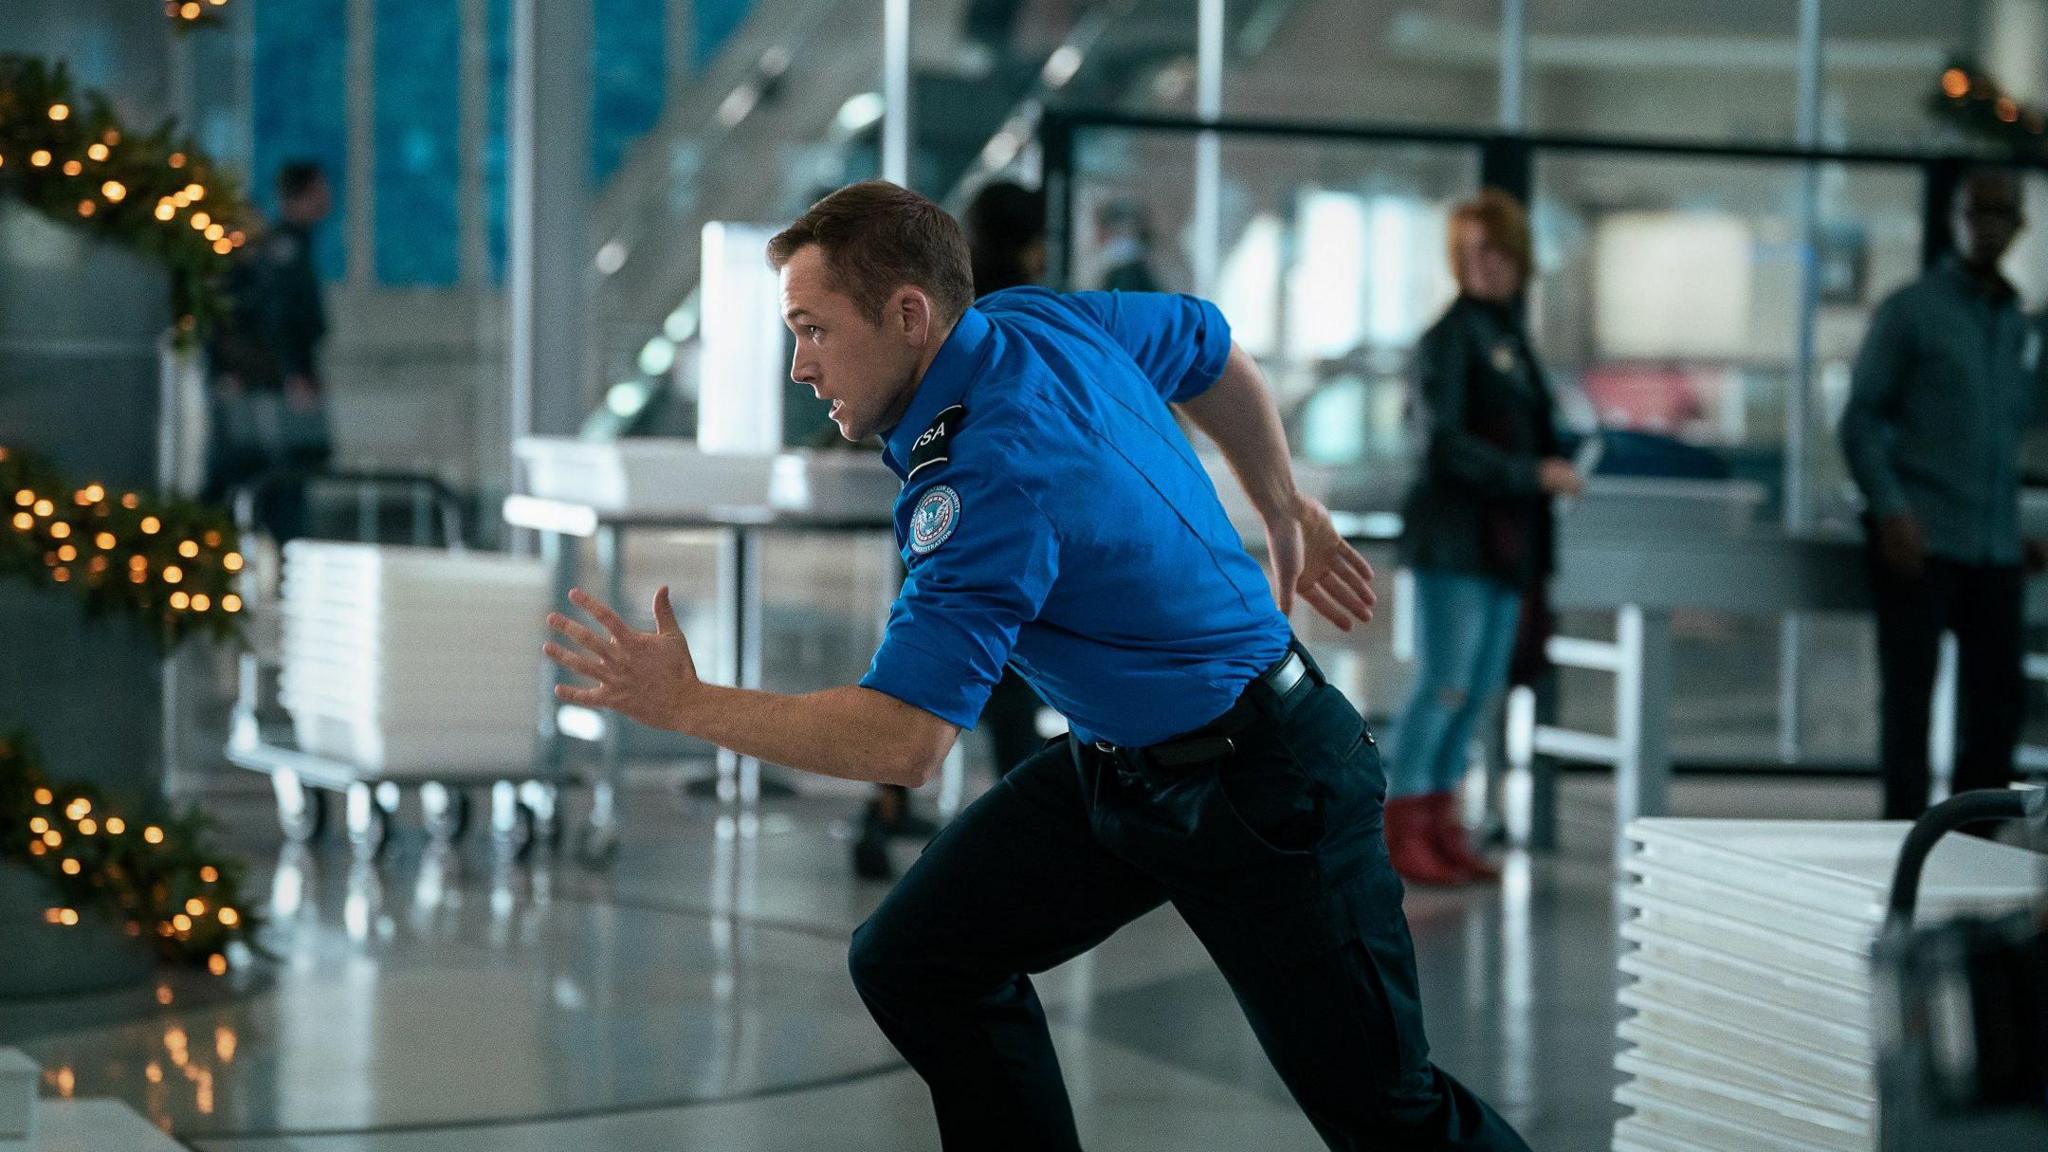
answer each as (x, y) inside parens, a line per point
(875, 958)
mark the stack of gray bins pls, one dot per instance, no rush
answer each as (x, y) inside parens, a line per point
(1748, 975)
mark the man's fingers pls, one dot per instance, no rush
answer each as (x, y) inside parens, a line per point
(612, 621)
(1345, 595)
(575, 662)
(1327, 607)
(577, 633)
(588, 697)
(664, 613)
(1349, 557)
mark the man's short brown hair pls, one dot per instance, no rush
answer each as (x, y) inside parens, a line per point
(877, 237)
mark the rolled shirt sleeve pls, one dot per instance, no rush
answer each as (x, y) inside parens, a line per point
(1180, 342)
(955, 622)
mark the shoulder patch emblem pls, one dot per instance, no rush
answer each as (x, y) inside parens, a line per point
(935, 444)
(936, 515)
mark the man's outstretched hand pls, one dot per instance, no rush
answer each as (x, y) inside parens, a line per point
(1311, 560)
(644, 676)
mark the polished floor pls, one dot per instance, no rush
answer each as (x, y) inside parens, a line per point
(695, 996)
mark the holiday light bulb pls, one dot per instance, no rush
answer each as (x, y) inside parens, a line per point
(116, 825)
(218, 965)
(231, 603)
(200, 602)
(60, 530)
(40, 158)
(24, 521)
(44, 796)
(39, 825)
(173, 573)
(105, 541)
(44, 508)
(150, 525)
(230, 917)
(94, 493)
(232, 561)
(153, 834)
(71, 867)
(97, 152)
(181, 922)
(114, 190)
(196, 906)
(73, 167)
(88, 826)
(60, 112)
(25, 498)
(209, 874)
(180, 601)
(188, 548)
(200, 220)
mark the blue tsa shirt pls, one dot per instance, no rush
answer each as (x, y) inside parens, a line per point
(1053, 516)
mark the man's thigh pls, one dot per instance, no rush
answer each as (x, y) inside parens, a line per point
(1017, 883)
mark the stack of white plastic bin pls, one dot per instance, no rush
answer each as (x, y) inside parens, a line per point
(412, 662)
(1751, 991)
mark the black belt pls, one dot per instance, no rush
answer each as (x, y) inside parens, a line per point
(1218, 739)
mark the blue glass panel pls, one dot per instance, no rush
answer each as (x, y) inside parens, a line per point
(628, 56)
(418, 122)
(716, 21)
(299, 110)
(496, 149)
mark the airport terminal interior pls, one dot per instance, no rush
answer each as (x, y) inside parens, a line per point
(1676, 366)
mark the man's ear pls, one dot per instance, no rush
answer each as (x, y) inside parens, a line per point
(912, 309)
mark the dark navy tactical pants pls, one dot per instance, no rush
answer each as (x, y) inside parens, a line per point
(1273, 855)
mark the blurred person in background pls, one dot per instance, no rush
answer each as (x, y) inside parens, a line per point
(1005, 228)
(1943, 387)
(1125, 238)
(1478, 534)
(269, 411)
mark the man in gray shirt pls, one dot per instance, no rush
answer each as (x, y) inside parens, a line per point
(1943, 388)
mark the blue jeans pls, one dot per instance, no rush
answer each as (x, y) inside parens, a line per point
(1464, 637)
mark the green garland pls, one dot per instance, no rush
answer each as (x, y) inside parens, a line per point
(170, 564)
(64, 153)
(145, 866)
(1977, 106)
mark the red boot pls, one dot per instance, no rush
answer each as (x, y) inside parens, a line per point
(1450, 843)
(1411, 843)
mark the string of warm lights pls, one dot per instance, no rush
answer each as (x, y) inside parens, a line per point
(187, 13)
(173, 564)
(1976, 104)
(149, 871)
(64, 153)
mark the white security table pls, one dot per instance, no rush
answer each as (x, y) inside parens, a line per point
(600, 491)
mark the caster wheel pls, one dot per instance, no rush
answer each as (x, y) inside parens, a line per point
(369, 822)
(597, 847)
(303, 819)
(447, 812)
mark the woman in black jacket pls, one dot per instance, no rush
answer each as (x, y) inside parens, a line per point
(1478, 530)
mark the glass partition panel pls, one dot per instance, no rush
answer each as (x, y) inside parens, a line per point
(1330, 262)
(1669, 298)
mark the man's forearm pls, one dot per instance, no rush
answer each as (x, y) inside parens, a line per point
(1239, 414)
(853, 733)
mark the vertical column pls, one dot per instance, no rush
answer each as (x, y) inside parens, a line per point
(1208, 193)
(896, 110)
(1514, 60)
(1798, 514)
(548, 124)
(362, 143)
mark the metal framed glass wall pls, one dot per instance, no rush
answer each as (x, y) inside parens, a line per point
(1672, 293)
